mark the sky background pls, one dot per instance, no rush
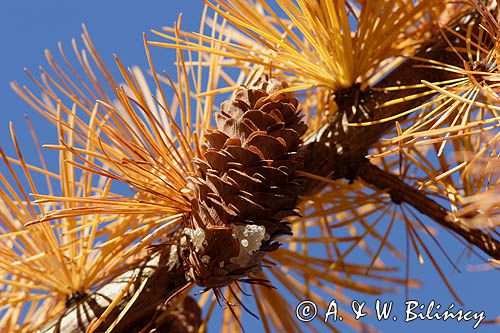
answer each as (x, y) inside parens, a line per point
(27, 28)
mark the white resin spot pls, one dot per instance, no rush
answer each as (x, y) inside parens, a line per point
(197, 237)
(205, 259)
(250, 238)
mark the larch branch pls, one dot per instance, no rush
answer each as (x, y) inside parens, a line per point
(402, 192)
(339, 151)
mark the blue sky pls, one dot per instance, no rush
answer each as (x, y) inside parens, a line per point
(29, 27)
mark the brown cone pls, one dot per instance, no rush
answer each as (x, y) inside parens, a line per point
(247, 183)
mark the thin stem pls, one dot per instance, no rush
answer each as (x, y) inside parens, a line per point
(402, 192)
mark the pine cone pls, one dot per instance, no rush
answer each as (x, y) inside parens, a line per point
(247, 184)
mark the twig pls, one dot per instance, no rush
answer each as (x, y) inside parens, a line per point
(402, 192)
